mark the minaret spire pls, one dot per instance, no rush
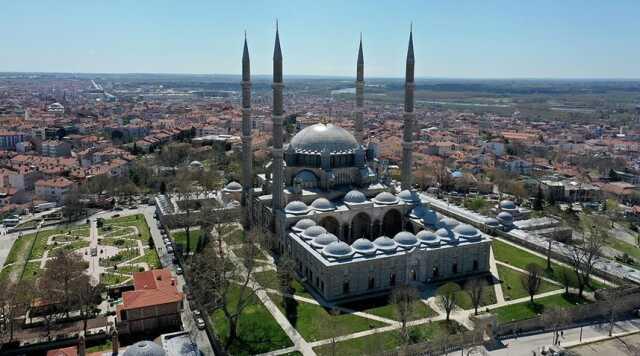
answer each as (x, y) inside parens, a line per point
(277, 116)
(358, 125)
(247, 150)
(409, 116)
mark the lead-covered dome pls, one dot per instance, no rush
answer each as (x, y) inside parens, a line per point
(312, 232)
(323, 240)
(505, 218)
(355, 197)
(144, 348)
(507, 205)
(467, 232)
(303, 224)
(320, 137)
(428, 237)
(323, 204)
(233, 187)
(405, 239)
(430, 218)
(417, 212)
(385, 198)
(364, 246)
(337, 249)
(296, 207)
(448, 223)
(409, 196)
(385, 244)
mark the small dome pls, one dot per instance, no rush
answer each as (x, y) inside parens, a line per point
(355, 197)
(448, 223)
(505, 218)
(303, 224)
(312, 232)
(417, 212)
(196, 164)
(430, 218)
(493, 222)
(467, 231)
(385, 244)
(385, 198)
(405, 239)
(507, 205)
(337, 249)
(323, 240)
(428, 237)
(409, 196)
(364, 246)
(323, 204)
(233, 187)
(306, 176)
(296, 207)
(445, 234)
(144, 348)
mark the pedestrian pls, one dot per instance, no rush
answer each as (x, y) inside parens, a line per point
(562, 333)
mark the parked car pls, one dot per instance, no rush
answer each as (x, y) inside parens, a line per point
(196, 313)
(178, 270)
(200, 323)
(169, 249)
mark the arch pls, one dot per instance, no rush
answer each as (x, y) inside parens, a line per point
(361, 226)
(408, 226)
(331, 224)
(391, 223)
(376, 229)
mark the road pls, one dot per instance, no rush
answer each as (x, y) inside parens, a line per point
(526, 345)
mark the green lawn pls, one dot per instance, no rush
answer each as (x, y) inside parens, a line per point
(625, 247)
(488, 298)
(126, 269)
(150, 257)
(121, 256)
(520, 258)
(32, 271)
(526, 310)
(110, 279)
(131, 220)
(180, 238)
(378, 342)
(512, 284)
(269, 279)
(233, 237)
(258, 332)
(316, 323)
(382, 307)
(118, 231)
(7, 271)
(117, 242)
(72, 246)
(20, 249)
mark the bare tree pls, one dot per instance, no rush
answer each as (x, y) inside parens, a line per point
(404, 299)
(583, 258)
(185, 188)
(86, 298)
(62, 272)
(556, 317)
(567, 278)
(476, 287)
(533, 279)
(14, 301)
(222, 282)
(448, 297)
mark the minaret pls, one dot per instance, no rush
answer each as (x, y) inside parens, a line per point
(409, 116)
(359, 95)
(277, 116)
(247, 154)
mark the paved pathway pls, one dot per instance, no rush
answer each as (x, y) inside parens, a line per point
(497, 288)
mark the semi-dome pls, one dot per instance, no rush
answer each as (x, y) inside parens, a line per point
(467, 232)
(303, 224)
(323, 204)
(364, 246)
(323, 240)
(448, 223)
(144, 348)
(355, 197)
(320, 137)
(306, 176)
(507, 205)
(385, 198)
(337, 249)
(430, 218)
(428, 237)
(296, 207)
(409, 196)
(505, 218)
(417, 212)
(312, 232)
(233, 187)
(405, 239)
(385, 244)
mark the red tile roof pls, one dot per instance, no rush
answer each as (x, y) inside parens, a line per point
(153, 287)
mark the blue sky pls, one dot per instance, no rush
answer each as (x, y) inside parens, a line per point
(453, 38)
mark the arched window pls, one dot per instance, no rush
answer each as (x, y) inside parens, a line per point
(331, 224)
(391, 223)
(361, 227)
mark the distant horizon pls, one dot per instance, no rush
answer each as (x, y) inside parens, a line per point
(320, 76)
(466, 39)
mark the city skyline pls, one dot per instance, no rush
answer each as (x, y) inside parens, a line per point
(463, 40)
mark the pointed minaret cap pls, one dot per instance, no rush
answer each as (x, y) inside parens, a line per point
(360, 64)
(410, 57)
(246, 71)
(277, 52)
(277, 58)
(409, 77)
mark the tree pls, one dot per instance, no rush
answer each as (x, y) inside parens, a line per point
(404, 300)
(538, 203)
(584, 257)
(86, 298)
(533, 279)
(185, 189)
(223, 283)
(14, 301)
(448, 297)
(73, 208)
(475, 287)
(286, 275)
(568, 279)
(61, 273)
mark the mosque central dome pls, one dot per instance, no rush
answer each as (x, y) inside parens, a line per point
(318, 137)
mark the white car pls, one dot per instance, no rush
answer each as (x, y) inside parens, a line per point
(178, 270)
(200, 323)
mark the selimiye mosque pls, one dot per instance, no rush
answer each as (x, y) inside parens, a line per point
(328, 203)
